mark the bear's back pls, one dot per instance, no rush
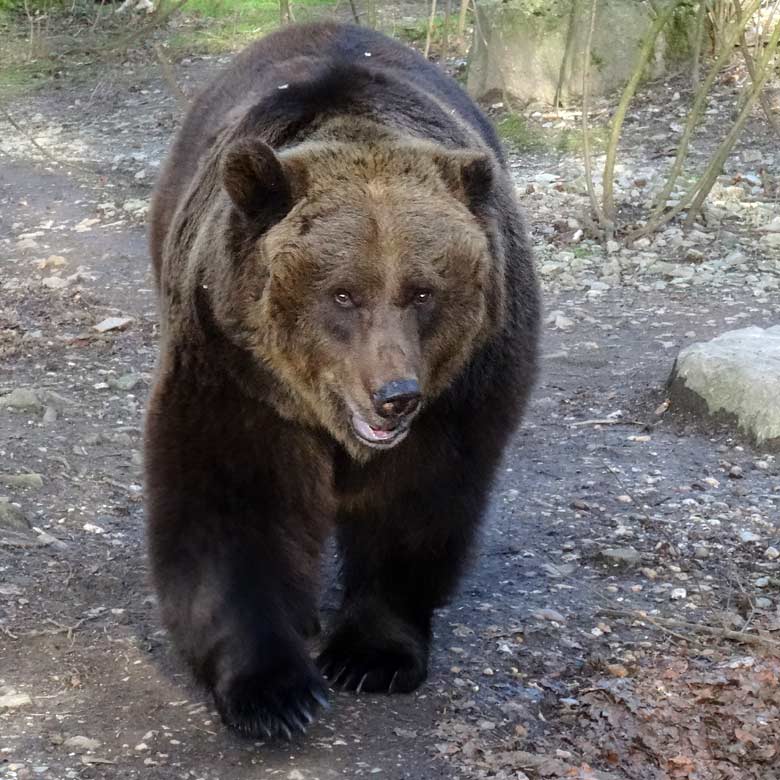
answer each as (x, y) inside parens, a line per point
(286, 81)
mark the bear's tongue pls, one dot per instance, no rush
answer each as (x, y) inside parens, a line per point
(370, 432)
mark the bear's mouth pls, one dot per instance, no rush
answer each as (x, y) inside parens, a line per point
(379, 438)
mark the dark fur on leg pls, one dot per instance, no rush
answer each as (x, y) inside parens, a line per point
(234, 570)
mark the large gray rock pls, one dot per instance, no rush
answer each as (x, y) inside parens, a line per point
(737, 374)
(519, 46)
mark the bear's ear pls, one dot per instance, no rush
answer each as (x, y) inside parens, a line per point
(468, 174)
(258, 182)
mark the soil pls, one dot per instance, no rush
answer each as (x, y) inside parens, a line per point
(547, 613)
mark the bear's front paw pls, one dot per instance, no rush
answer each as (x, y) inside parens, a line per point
(270, 705)
(354, 661)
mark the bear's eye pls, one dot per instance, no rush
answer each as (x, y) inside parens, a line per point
(422, 296)
(343, 299)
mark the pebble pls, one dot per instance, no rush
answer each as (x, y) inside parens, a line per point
(762, 582)
(13, 700)
(21, 398)
(22, 480)
(549, 614)
(748, 536)
(80, 744)
(678, 594)
(622, 555)
(54, 282)
(772, 553)
(112, 323)
(11, 516)
(126, 382)
(763, 603)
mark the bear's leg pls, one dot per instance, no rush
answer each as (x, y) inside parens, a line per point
(401, 559)
(234, 546)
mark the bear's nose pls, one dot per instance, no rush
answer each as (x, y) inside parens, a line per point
(397, 398)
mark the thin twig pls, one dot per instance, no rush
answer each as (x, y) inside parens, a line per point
(429, 33)
(698, 40)
(751, 66)
(645, 53)
(61, 629)
(716, 164)
(594, 203)
(669, 623)
(658, 217)
(45, 152)
(464, 7)
(568, 53)
(182, 101)
(608, 421)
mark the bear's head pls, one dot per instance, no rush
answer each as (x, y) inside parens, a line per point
(369, 276)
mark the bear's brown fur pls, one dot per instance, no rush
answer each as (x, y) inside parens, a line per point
(348, 332)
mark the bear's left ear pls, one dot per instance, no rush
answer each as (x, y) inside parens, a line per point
(258, 182)
(468, 174)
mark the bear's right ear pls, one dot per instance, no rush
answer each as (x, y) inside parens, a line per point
(258, 182)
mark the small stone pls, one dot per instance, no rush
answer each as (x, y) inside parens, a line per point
(54, 282)
(701, 552)
(125, 382)
(11, 517)
(762, 465)
(622, 555)
(50, 415)
(549, 614)
(772, 553)
(21, 398)
(694, 256)
(113, 323)
(678, 593)
(761, 582)
(763, 603)
(80, 744)
(136, 207)
(13, 700)
(735, 472)
(559, 320)
(748, 536)
(22, 480)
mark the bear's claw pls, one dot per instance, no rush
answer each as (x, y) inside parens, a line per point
(373, 670)
(263, 708)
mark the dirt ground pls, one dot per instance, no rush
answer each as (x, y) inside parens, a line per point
(543, 665)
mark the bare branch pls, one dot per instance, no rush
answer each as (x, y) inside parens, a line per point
(645, 53)
(594, 203)
(429, 34)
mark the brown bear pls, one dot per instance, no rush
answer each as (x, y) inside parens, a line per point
(348, 336)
